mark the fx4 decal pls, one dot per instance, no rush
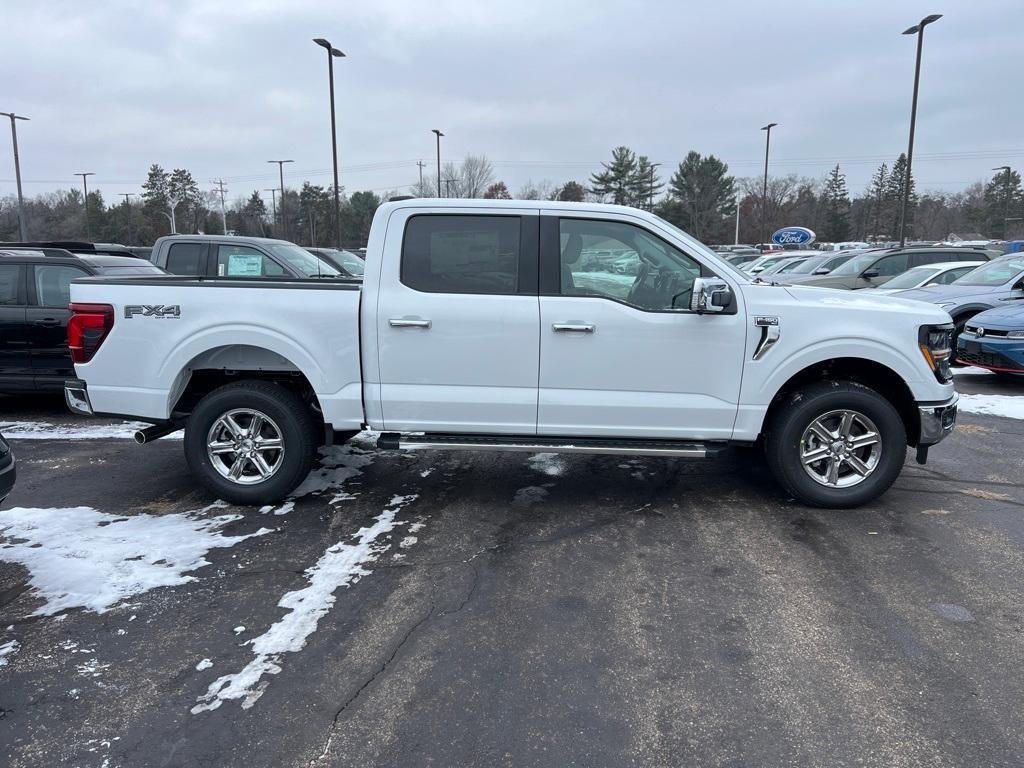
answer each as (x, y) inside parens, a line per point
(154, 310)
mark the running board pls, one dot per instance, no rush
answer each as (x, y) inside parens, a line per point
(537, 444)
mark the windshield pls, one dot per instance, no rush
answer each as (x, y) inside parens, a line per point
(302, 261)
(993, 273)
(349, 261)
(856, 265)
(911, 278)
(699, 246)
(141, 269)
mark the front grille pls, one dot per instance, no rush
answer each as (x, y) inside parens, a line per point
(988, 360)
(977, 330)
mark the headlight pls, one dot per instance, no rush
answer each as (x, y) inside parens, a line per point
(936, 344)
(1015, 335)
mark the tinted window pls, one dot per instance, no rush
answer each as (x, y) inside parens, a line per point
(183, 258)
(53, 283)
(891, 265)
(461, 254)
(9, 279)
(950, 275)
(243, 261)
(626, 263)
(302, 261)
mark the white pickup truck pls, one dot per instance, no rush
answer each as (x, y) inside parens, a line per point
(524, 326)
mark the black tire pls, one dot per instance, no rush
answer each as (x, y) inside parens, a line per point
(288, 414)
(958, 327)
(786, 427)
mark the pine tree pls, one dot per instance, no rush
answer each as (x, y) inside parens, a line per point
(704, 195)
(1004, 199)
(837, 207)
(618, 178)
(647, 185)
(497, 191)
(894, 198)
(876, 192)
(571, 191)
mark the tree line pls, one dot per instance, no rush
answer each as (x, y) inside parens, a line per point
(699, 196)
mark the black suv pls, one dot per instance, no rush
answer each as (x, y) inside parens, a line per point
(35, 289)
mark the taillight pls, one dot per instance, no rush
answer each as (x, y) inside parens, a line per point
(87, 328)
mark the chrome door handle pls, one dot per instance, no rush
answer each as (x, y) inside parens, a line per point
(572, 328)
(401, 322)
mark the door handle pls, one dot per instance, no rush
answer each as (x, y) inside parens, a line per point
(572, 328)
(49, 322)
(401, 322)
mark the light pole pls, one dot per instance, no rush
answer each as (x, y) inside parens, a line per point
(1006, 199)
(273, 203)
(85, 187)
(736, 238)
(333, 52)
(22, 224)
(764, 192)
(917, 29)
(280, 170)
(439, 135)
(128, 211)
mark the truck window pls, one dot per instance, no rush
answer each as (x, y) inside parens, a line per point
(242, 261)
(53, 284)
(891, 265)
(9, 278)
(623, 262)
(461, 254)
(183, 258)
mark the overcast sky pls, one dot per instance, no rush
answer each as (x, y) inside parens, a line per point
(544, 89)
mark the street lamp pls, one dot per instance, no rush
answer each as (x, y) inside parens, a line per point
(333, 52)
(280, 170)
(22, 224)
(1006, 200)
(764, 191)
(917, 29)
(85, 187)
(439, 135)
(128, 210)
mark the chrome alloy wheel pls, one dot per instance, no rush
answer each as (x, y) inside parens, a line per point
(840, 448)
(245, 446)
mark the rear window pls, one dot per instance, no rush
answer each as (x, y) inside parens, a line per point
(10, 276)
(183, 258)
(461, 254)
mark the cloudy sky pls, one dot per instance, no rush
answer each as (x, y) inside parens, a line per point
(544, 89)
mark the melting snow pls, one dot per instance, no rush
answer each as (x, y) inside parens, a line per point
(1008, 406)
(80, 558)
(41, 430)
(341, 565)
(9, 648)
(204, 664)
(547, 463)
(407, 542)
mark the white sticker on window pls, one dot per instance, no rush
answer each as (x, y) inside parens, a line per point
(245, 265)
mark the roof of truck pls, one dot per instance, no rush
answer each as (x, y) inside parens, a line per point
(231, 238)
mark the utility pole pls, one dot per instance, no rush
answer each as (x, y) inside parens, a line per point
(85, 187)
(439, 135)
(280, 170)
(22, 224)
(273, 203)
(420, 164)
(736, 239)
(128, 211)
(223, 210)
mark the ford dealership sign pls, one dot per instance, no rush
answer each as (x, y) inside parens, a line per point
(793, 236)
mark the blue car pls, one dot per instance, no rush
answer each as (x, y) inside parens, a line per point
(995, 340)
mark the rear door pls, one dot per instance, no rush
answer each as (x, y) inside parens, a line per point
(457, 321)
(186, 258)
(15, 359)
(47, 314)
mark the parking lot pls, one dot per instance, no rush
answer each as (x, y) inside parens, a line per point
(507, 609)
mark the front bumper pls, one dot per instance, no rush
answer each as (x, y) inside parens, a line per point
(937, 421)
(995, 353)
(76, 395)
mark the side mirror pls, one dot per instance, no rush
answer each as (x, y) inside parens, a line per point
(821, 271)
(869, 273)
(710, 294)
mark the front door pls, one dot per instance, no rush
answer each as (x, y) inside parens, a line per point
(49, 295)
(621, 353)
(457, 322)
(15, 360)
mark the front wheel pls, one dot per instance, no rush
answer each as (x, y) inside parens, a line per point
(836, 444)
(251, 442)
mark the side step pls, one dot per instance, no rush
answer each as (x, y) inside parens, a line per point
(539, 444)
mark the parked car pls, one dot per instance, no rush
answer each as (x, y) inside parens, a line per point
(744, 257)
(986, 287)
(874, 268)
(821, 264)
(348, 263)
(74, 246)
(760, 264)
(229, 256)
(476, 329)
(8, 470)
(791, 260)
(994, 339)
(929, 274)
(34, 295)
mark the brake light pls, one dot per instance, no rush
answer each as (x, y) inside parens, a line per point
(88, 326)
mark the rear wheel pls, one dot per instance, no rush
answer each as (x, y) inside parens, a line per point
(836, 444)
(251, 442)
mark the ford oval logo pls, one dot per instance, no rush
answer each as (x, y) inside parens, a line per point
(793, 236)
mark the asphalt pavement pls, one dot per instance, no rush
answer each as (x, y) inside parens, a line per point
(462, 609)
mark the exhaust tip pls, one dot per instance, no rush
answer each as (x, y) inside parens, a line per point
(140, 436)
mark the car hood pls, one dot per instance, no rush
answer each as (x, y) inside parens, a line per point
(947, 293)
(1009, 318)
(823, 281)
(863, 300)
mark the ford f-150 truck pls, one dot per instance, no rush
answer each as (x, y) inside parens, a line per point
(497, 325)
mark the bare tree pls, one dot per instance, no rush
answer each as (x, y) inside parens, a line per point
(476, 174)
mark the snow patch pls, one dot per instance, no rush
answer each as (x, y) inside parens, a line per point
(41, 430)
(9, 648)
(1008, 406)
(78, 557)
(340, 566)
(338, 463)
(284, 509)
(547, 463)
(426, 472)
(204, 664)
(407, 542)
